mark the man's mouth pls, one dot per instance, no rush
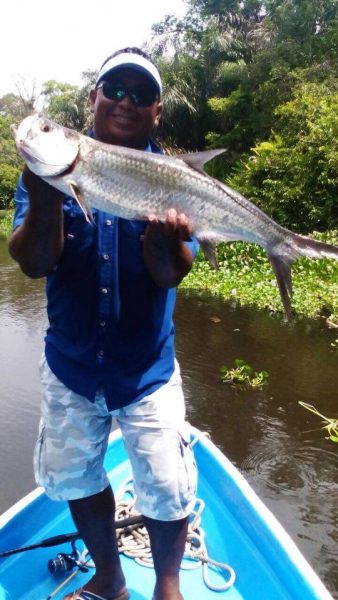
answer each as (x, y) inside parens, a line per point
(123, 118)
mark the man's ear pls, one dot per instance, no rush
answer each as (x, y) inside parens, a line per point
(159, 110)
(92, 98)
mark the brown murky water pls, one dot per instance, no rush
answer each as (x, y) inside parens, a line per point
(274, 442)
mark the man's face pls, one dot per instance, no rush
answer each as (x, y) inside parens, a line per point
(122, 122)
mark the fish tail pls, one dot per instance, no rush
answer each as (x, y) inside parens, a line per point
(294, 247)
(313, 248)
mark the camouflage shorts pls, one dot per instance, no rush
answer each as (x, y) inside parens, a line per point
(73, 437)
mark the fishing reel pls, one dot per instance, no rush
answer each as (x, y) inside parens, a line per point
(66, 562)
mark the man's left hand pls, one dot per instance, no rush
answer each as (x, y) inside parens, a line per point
(166, 256)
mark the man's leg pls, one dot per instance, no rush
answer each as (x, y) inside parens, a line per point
(73, 471)
(167, 540)
(157, 440)
(94, 519)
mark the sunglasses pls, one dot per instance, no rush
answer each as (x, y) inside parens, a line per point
(140, 95)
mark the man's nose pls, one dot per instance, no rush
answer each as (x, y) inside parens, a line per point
(126, 101)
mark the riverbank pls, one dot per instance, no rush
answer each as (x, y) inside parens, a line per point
(245, 277)
(6, 219)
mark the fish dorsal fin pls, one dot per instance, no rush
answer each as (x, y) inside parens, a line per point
(197, 160)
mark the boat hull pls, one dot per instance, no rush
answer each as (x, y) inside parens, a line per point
(239, 529)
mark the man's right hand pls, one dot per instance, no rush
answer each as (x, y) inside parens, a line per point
(37, 186)
(37, 243)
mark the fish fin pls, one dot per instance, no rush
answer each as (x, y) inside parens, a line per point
(209, 252)
(79, 199)
(313, 248)
(282, 270)
(197, 160)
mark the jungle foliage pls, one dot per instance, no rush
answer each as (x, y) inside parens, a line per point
(257, 77)
(262, 78)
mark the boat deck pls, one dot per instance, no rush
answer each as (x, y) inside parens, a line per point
(239, 531)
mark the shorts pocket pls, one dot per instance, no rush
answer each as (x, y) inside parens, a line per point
(38, 458)
(188, 483)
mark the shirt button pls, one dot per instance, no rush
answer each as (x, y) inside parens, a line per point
(104, 291)
(102, 323)
(107, 222)
(106, 257)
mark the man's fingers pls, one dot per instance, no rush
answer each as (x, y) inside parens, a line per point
(170, 224)
(175, 226)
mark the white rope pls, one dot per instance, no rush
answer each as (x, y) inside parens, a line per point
(134, 541)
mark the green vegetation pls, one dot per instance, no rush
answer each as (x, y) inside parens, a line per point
(331, 424)
(244, 375)
(259, 78)
(294, 174)
(10, 164)
(245, 276)
(6, 219)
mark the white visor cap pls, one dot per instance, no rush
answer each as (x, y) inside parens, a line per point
(134, 61)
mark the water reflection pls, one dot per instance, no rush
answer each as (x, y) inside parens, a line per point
(22, 325)
(276, 443)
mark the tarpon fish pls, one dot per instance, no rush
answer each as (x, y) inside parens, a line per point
(133, 184)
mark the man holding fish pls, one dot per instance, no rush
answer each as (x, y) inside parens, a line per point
(109, 347)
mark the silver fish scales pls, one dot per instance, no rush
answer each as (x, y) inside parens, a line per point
(133, 184)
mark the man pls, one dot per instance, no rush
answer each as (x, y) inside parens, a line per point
(110, 344)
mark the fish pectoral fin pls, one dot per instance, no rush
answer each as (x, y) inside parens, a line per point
(197, 160)
(282, 269)
(209, 251)
(79, 199)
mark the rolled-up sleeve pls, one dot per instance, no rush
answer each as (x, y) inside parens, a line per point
(193, 245)
(21, 203)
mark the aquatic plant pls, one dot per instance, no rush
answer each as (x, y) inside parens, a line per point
(331, 424)
(245, 277)
(6, 221)
(243, 374)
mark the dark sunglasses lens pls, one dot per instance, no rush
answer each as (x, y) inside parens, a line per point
(143, 96)
(113, 91)
(140, 96)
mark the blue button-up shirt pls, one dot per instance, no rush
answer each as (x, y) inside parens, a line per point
(110, 325)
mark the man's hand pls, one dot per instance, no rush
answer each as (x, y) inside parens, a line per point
(37, 244)
(166, 256)
(37, 188)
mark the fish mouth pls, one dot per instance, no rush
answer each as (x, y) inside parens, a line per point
(14, 130)
(27, 156)
(36, 163)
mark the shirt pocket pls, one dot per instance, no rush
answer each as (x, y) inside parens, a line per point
(131, 235)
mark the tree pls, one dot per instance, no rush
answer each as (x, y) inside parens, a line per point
(20, 105)
(68, 104)
(10, 163)
(294, 175)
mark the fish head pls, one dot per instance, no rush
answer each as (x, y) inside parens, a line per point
(48, 148)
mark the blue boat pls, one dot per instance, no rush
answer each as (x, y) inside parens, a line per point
(247, 555)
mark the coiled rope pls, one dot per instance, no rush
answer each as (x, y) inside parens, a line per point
(135, 542)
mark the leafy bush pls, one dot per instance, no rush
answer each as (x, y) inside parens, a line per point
(6, 222)
(8, 179)
(293, 176)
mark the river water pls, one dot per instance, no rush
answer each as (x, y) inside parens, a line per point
(275, 443)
